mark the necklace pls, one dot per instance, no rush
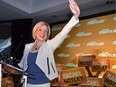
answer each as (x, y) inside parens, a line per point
(36, 48)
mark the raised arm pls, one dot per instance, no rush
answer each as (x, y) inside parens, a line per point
(59, 38)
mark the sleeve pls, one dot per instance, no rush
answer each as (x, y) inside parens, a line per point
(59, 38)
(21, 63)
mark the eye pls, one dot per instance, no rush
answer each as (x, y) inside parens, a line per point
(46, 31)
(39, 29)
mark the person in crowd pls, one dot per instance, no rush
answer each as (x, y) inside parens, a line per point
(38, 59)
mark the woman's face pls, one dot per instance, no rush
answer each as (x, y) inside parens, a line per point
(42, 33)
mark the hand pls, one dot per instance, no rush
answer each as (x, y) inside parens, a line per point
(74, 8)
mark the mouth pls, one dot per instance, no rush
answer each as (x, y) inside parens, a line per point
(42, 36)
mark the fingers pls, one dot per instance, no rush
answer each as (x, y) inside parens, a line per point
(72, 2)
(77, 9)
(74, 7)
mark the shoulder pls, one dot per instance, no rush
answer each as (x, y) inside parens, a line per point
(47, 44)
(28, 45)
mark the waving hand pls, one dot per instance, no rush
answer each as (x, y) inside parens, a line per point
(74, 8)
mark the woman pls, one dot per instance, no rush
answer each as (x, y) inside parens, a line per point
(38, 59)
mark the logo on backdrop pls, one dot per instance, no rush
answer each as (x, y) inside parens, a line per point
(106, 31)
(72, 45)
(83, 34)
(114, 42)
(94, 43)
(107, 54)
(63, 55)
(95, 21)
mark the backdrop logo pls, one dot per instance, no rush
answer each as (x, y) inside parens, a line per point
(107, 54)
(114, 18)
(78, 54)
(77, 25)
(72, 45)
(114, 67)
(83, 34)
(56, 28)
(106, 31)
(95, 22)
(59, 46)
(68, 36)
(63, 55)
(94, 43)
(114, 42)
(71, 64)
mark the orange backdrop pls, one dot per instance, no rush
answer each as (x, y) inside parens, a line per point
(91, 36)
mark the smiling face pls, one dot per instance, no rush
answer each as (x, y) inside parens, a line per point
(42, 33)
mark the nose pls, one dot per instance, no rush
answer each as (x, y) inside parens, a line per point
(43, 33)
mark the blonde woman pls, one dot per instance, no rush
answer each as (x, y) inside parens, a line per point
(38, 58)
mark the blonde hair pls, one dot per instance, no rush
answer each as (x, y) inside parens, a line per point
(38, 25)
